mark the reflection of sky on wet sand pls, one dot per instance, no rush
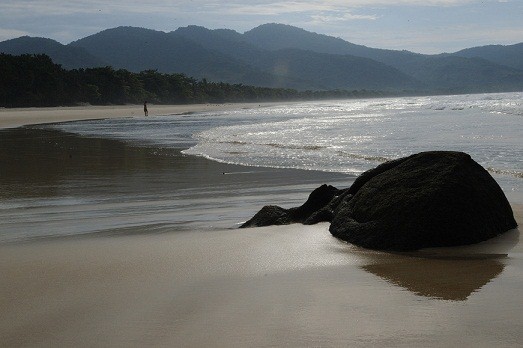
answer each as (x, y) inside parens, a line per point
(54, 183)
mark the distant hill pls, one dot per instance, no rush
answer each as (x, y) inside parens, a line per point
(471, 75)
(138, 49)
(435, 71)
(278, 36)
(222, 55)
(274, 36)
(321, 70)
(278, 55)
(511, 55)
(68, 57)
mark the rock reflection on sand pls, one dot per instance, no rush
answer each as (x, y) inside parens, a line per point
(444, 279)
(445, 273)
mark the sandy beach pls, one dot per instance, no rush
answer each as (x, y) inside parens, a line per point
(293, 286)
(221, 287)
(16, 117)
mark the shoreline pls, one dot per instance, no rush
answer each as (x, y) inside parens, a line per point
(62, 184)
(17, 117)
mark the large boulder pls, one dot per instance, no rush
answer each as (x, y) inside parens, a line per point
(430, 199)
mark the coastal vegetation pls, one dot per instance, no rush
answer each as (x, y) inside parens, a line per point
(34, 80)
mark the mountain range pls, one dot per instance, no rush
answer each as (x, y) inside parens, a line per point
(278, 55)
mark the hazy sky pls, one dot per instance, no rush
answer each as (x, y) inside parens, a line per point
(425, 26)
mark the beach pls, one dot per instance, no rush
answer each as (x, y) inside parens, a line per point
(163, 279)
(16, 117)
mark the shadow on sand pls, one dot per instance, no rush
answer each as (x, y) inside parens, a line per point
(445, 273)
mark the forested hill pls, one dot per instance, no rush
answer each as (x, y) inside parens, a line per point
(283, 56)
(217, 56)
(34, 80)
(511, 55)
(68, 56)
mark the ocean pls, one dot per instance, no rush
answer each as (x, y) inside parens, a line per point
(346, 136)
(216, 169)
(356, 135)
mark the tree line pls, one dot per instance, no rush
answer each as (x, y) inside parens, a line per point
(35, 81)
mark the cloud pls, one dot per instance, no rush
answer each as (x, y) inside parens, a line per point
(450, 40)
(420, 25)
(367, 3)
(6, 34)
(273, 8)
(61, 8)
(246, 7)
(340, 17)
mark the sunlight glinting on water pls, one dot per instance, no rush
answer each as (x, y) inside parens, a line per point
(347, 136)
(314, 135)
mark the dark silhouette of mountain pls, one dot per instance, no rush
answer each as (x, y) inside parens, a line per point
(278, 36)
(138, 49)
(274, 36)
(210, 38)
(277, 55)
(226, 42)
(222, 55)
(436, 71)
(330, 71)
(459, 74)
(68, 57)
(322, 70)
(511, 55)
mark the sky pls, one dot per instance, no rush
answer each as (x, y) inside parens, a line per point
(423, 26)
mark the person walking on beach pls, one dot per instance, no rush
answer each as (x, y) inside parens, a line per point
(145, 108)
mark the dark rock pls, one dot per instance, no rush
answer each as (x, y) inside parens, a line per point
(318, 199)
(328, 212)
(268, 216)
(431, 199)
(369, 174)
(274, 215)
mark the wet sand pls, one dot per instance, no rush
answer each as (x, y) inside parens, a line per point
(288, 286)
(58, 184)
(129, 276)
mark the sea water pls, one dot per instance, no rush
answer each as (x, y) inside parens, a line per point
(346, 136)
(126, 175)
